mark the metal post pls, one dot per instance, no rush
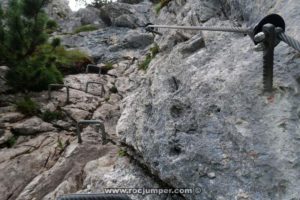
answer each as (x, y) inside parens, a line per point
(50, 86)
(90, 82)
(91, 65)
(68, 94)
(103, 133)
(100, 126)
(78, 133)
(268, 57)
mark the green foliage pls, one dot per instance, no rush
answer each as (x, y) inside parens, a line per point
(122, 153)
(49, 116)
(27, 106)
(70, 61)
(24, 31)
(11, 141)
(85, 28)
(55, 43)
(60, 145)
(161, 4)
(113, 89)
(33, 78)
(154, 50)
(108, 66)
(51, 26)
(145, 63)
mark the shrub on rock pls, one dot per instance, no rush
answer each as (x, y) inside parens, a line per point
(25, 47)
(27, 106)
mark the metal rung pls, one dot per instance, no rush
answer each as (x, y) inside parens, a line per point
(50, 86)
(100, 126)
(93, 82)
(91, 65)
(94, 197)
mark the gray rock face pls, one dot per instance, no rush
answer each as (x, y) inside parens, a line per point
(113, 14)
(133, 15)
(135, 40)
(125, 21)
(59, 10)
(110, 44)
(196, 119)
(200, 119)
(88, 15)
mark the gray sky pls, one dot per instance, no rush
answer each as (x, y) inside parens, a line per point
(75, 5)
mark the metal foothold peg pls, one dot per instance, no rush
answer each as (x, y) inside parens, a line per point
(274, 19)
(100, 126)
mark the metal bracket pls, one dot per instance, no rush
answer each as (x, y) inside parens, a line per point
(274, 19)
(93, 82)
(99, 126)
(151, 29)
(50, 86)
(94, 197)
(91, 65)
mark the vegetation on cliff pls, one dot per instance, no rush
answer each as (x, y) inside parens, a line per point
(26, 49)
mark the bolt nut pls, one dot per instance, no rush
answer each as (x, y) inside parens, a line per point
(259, 37)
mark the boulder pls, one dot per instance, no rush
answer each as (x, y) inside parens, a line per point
(76, 113)
(135, 39)
(89, 15)
(59, 10)
(125, 21)
(192, 45)
(11, 117)
(32, 126)
(5, 135)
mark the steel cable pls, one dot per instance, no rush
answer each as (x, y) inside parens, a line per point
(289, 40)
(206, 28)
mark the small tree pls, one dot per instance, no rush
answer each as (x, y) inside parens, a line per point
(24, 28)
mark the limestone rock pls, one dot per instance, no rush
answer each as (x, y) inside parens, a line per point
(32, 126)
(89, 15)
(20, 164)
(125, 21)
(206, 107)
(137, 40)
(194, 44)
(11, 117)
(76, 113)
(5, 135)
(59, 9)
